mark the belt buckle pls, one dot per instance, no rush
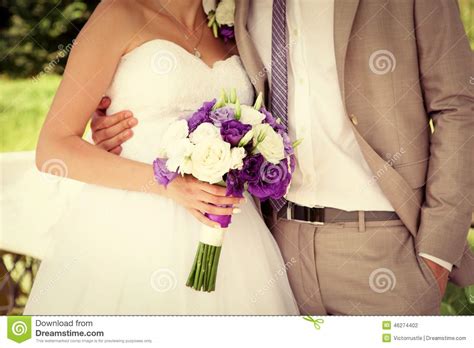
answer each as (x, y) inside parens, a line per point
(319, 215)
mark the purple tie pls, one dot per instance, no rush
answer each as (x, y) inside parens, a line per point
(279, 91)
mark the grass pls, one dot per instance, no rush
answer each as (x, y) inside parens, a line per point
(24, 104)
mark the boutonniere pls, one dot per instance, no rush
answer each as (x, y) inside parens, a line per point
(220, 15)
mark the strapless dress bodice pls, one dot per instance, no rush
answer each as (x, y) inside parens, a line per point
(160, 81)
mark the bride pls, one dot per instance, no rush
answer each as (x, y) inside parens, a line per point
(133, 257)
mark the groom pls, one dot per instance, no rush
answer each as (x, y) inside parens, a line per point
(380, 205)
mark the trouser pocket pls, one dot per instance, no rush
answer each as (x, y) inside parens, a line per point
(374, 272)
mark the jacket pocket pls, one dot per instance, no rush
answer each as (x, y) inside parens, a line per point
(414, 173)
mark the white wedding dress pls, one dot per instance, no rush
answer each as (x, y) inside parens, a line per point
(121, 252)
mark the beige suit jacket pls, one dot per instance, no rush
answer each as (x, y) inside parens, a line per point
(402, 64)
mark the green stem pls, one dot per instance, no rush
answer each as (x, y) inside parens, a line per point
(214, 269)
(190, 281)
(209, 266)
(206, 267)
(208, 256)
(198, 266)
(202, 269)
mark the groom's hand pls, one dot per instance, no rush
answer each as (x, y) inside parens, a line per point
(110, 132)
(441, 274)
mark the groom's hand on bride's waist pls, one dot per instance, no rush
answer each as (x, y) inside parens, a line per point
(110, 132)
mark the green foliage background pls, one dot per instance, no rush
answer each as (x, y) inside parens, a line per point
(33, 32)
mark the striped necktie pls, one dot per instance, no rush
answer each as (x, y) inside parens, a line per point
(279, 91)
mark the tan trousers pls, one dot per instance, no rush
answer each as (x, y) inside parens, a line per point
(356, 268)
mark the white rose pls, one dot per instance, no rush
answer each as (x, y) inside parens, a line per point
(211, 160)
(251, 116)
(269, 143)
(209, 5)
(205, 131)
(225, 12)
(176, 131)
(237, 156)
(186, 166)
(179, 156)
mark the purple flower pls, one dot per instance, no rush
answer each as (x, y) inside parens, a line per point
(235, 184)
(196, 119)
(251, 169)
(287, 143)
(292, 163)
(163, 176)
(273, 181)
(221, 115)
(272, 121)
(201, 116)
(207, 106)
(233, 131)
(280, 129)
(226, 32)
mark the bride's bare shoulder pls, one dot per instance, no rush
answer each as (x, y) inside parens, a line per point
(116, 7)
(113, 22)
(121, 12)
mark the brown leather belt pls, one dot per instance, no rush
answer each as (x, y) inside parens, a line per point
(321, 215)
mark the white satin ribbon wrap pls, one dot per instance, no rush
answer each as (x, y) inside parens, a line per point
(212, 236)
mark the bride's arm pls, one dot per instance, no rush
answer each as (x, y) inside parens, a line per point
(89, 71)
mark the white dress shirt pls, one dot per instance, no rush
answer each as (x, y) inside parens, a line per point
(331, 170)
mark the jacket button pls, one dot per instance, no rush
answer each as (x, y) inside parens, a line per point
(354, 120)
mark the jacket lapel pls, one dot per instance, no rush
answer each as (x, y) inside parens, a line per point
(404, 200)
(344, 14)
(248, 53)
(400, 194)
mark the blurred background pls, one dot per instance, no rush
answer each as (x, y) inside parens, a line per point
(35, 40)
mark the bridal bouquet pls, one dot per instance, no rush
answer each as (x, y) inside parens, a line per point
(242, 147)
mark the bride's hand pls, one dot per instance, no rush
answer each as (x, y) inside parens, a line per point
(199, 197)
